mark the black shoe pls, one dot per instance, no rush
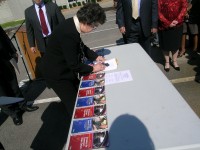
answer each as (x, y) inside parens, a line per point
(29, 108)
(18, 120)
(165, 68)
(176, 68)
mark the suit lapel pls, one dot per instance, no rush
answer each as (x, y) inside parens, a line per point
(36, 19)
(48, 11)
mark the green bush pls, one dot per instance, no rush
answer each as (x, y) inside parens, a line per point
(74, 4)
(93, 1)
(83, 3)
(70, 5)
(64, 7)
(60, 7)
(79, 3)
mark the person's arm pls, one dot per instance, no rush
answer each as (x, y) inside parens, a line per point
(120, 17)
(30, 32)
(183, 11)
(72, 58)
(154, 16)
(164, 22)
(59, 14)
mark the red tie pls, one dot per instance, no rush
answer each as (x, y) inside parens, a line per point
(43, 22)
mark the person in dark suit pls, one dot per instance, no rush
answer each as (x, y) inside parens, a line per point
(8, 80)
(39, 29)
(63, 62)
(137, 24)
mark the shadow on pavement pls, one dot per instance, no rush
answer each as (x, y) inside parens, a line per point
(3, 118)
(53, 133)
(32, 89)
(157, 55)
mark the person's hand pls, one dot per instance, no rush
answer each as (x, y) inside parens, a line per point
(33, 49)
(100, 59)
(122, 30)
(98, 67)
(154, 30)
(187, 15)
(174, 23)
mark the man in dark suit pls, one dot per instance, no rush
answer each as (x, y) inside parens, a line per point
(136, 24)
(41, 19)
(8, 80)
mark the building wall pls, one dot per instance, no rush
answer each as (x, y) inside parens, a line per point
(14, 9)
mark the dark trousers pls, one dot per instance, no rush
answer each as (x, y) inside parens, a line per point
(136, 36)
(66, 90)
(9, 87)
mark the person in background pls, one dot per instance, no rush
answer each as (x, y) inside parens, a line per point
(63, 62)
(192, 17)
(137, 20)
(41, 19)
(171, 17)
(8, 80)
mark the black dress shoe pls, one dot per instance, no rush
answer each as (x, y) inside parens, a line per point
(18, 120)
(176, 68)
(166, 68)
(29, 108)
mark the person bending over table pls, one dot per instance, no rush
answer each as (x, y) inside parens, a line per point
(63, 62)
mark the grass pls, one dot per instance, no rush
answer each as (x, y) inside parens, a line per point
(12, 23)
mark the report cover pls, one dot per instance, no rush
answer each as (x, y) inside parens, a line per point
(94, 76)
(91, 91)
(91, 111)
(86, 92)
(85, 101)
(92, 83)
(89, 124)
(89, 141)
(87, 83)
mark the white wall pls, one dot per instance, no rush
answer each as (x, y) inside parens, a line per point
(14, 9)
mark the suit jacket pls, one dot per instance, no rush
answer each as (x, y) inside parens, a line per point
(33, 27)
(62, 60)
(7, 48)
(148, 15)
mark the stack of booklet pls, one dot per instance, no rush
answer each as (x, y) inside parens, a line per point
(89, 125)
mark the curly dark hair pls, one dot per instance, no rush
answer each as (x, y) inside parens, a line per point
(91, 14)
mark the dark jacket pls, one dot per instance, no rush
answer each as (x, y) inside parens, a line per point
(148, 15)
(33, 28)
(7, 48)
(62, 58)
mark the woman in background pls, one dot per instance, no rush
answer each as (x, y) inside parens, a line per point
(171, 16)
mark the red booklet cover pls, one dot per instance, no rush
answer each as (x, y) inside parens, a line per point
(89, 141)
(84, 112)
(81, 142)
(94, 76)
(89, 77)
(91, 111)
(86, 92)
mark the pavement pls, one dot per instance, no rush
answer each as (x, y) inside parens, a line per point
(47, 128)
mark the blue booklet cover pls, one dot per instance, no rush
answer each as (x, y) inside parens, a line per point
(85, 101)
(88, 83)
(82, 125)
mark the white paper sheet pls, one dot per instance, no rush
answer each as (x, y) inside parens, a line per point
(118, 77)
(112, 64)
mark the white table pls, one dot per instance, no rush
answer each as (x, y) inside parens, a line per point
(147, 113)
